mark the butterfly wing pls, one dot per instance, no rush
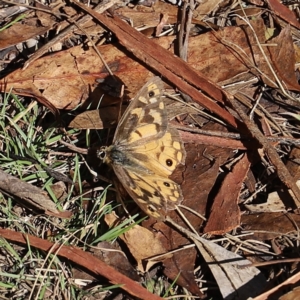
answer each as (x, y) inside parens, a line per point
(145, 118)
(160, 156)
(145, 173)
(154, 194)
(146, 151)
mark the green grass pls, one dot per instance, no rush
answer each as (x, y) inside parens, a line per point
(16, 20)
(29, 145)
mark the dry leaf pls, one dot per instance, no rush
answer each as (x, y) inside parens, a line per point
(266, 226)
(69, 77)
(21, 32)
(234, 282)
(273, 204)
(142, 244)
(292, 295)
(225, 213)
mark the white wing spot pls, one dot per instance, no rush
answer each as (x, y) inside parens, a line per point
(153, 100)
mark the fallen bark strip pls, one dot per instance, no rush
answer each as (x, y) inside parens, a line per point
(29, 195)
(83, 259)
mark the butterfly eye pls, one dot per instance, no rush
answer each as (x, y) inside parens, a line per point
(167, 184)
(151, 94)
(101, 154)
(169, 162)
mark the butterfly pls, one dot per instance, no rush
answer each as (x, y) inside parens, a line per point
(145, 152)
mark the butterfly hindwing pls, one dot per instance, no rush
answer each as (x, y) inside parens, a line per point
(154, 194)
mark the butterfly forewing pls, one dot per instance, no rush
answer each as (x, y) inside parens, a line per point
(145, 118)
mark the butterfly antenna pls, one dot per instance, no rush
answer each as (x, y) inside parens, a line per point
(121, 102)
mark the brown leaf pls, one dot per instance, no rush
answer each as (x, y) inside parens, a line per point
(70, 77)
(113, 256)
(59, 190)
(142, 244)
(284, 59)
(284, 12)
(149, 16)
(182, 262)
(225, 213)
(206, 7)
(293, 163)
(268, 226)
(18, 33)
(260, 61)
(201, 170)
(106, 117)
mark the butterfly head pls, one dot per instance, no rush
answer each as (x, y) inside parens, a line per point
(102, 153)
(112, 155)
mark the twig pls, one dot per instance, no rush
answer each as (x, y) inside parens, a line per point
(67, 32)
(282, 172)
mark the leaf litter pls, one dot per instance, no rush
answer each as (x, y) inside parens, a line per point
(241, 200)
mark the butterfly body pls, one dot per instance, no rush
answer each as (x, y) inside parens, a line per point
(145, 151)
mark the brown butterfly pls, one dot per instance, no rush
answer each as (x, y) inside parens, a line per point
(145, 151)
